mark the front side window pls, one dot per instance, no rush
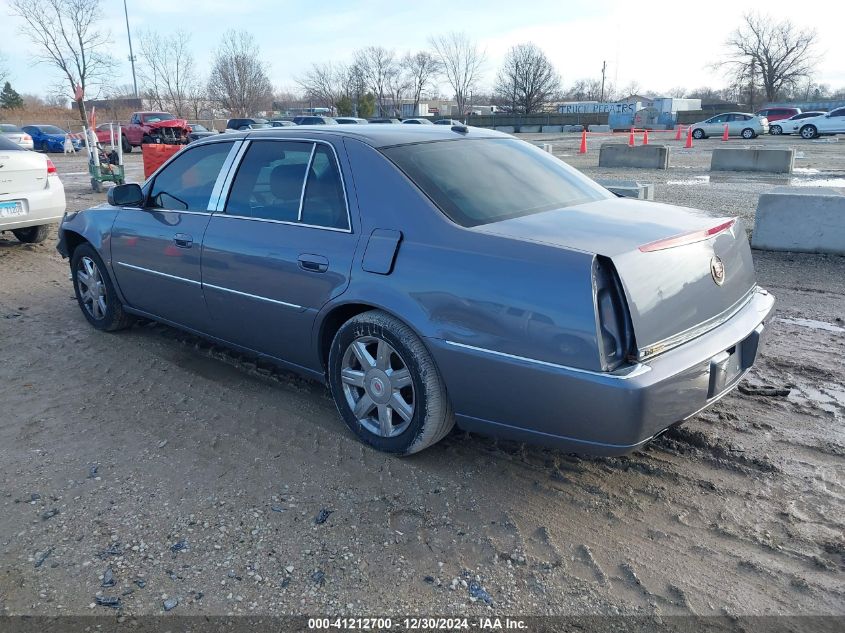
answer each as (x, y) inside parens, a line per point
(186, 183)
(481, 181)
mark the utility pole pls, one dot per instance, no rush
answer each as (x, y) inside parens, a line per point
(603, 71)
(131, 55)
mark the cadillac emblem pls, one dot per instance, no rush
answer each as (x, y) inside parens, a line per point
(717, 270)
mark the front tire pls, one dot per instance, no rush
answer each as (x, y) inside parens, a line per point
(95, 292)
(698, 134)
(31, 234)
(748, 133)
(775, 130)
(386, 386)
(809, 132)
(127, 146)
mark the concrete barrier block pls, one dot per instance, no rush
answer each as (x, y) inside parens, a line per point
(804, 220)
(628, 188)
(641, 156)
(778, 161)
(598, 128)
(552, 129)
(529, 129)
(505, 128)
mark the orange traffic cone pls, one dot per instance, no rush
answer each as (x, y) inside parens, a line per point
(645, 137)
(678, 133)
(688, 144)
(631, 141)
(583, 149)
(725, 133)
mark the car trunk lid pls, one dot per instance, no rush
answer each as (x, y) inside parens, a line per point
(22, 171)
(668, 259)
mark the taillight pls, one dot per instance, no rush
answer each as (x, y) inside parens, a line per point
(26, 137)
(615, 332)
(687, 238)
(51, 167)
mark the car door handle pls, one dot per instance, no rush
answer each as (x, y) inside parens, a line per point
(183, 240)
(313, 263)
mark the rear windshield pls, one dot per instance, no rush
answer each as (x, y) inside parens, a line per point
(6, 145)
(481, 181)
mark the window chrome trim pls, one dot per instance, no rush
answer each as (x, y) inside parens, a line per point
(159, 273)
(227, 185)
(214, 199)
(288, 222)
(636, 370)
(252, 296)
(305, 182)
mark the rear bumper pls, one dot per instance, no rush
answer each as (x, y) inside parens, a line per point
(43, 206)
(593, 412)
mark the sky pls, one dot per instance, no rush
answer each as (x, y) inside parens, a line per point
(658, 45)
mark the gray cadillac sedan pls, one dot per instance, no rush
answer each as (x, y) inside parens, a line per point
(432, 276)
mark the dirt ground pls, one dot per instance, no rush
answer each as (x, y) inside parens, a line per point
(177, 470)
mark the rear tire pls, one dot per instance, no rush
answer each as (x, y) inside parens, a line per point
(45, 147)
(748, 133)
(386, 386)
(809, 132)
(698, 134)
(127, 146)
(775, 130)
(31, 234)
(95, 292)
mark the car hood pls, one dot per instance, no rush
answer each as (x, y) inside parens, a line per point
(181, 123)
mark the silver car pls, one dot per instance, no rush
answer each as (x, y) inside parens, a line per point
(742, 124)
(538, 307)
(17, 135)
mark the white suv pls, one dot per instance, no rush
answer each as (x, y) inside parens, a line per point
(31, 194)
(830, 123)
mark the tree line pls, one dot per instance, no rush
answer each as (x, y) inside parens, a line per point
(764, 60)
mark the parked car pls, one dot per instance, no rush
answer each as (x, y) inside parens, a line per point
(831, 123)
(31, 194)
(792, 124)
(281, 123)
(153, 127)
(539, 307)
(384, 120)
(777, 114)
(199, 131)
(16, 135)
(240, 125)
(417, 121)
(447, 122)
(314, 120)
(350, 120)
(50, 138)
(742, 124)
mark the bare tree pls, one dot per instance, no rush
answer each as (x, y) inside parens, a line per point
(590, 90)
(66, 34)
(325, 84)
(421, 69)
(4, 69)
(774, 55)
(378, 68)
(167, 70)
(679, 92)
(239, 81)
(461, 61)
(527, 79)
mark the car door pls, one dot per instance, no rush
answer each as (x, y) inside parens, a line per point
(736, 123)
(278, 248)
(714, 125)
(156, 249)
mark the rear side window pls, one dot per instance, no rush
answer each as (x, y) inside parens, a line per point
(481, 181)
(324, 204)
(186, 183)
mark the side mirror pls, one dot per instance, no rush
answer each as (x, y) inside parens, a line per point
(129, 195)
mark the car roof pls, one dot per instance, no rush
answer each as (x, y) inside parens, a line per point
(374, 135)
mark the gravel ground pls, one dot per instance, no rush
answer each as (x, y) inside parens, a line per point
(152, 468)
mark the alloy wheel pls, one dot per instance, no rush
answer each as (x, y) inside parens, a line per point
(92, 290)
(378, 387)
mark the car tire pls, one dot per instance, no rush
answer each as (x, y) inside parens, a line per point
(698, 134)
(748, 133)
(45, 147)
(127, 146)
(380, 367)
(775, 130)
(91, 283)
(809, 132)
(32, 234)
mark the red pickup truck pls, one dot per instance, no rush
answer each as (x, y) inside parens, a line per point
(149, 127)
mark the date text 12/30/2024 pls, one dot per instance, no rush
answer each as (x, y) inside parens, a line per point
(416, 624)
